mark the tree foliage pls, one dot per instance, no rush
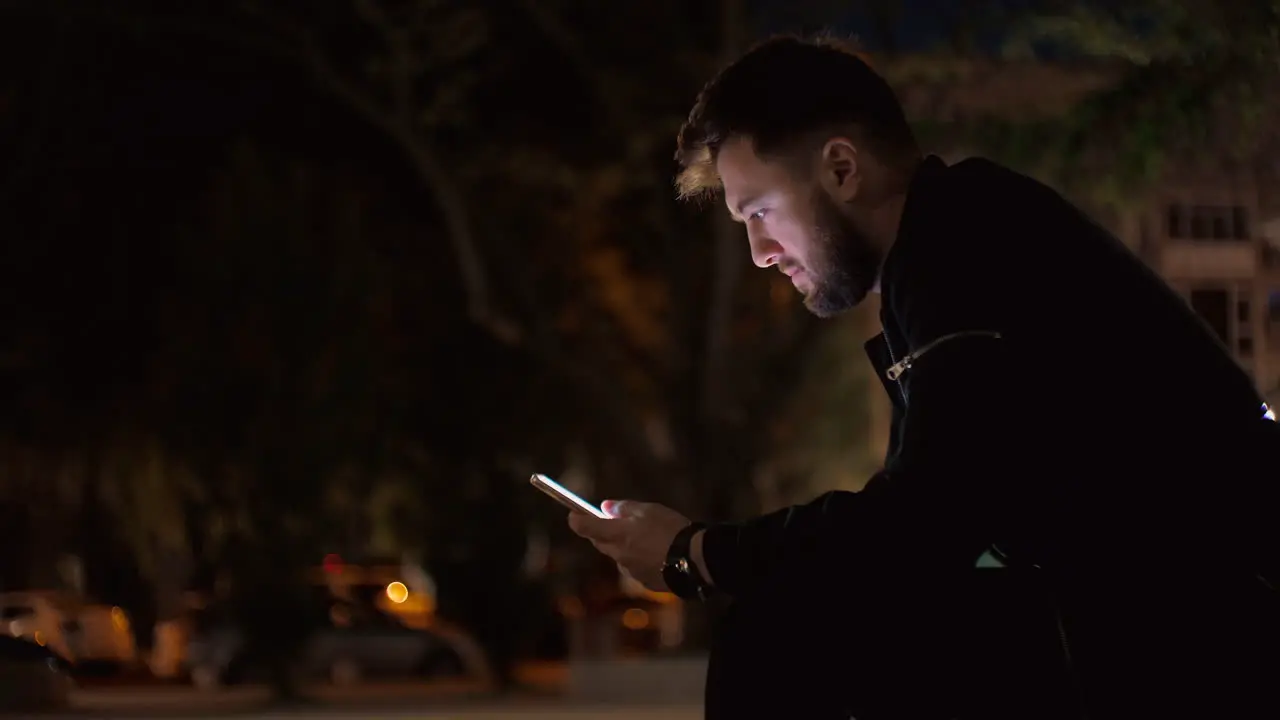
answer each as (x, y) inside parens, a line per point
(456, 253)
(617, 306)
(321, 347)
(1181, 78)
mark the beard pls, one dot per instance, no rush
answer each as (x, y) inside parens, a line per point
(845, 264)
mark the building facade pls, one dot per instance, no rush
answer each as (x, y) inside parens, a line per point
(1217, 242)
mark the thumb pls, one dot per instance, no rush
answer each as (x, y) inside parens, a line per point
(622, 508)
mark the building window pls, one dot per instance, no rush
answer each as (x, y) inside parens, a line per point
(1240, 223)
(1244, 327)
(1177, 221)
(1229, 314)
(1201, 222)
(1270, 255)
(1208, 222)
(1221, 226)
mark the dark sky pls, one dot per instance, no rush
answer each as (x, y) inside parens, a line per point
(920, 24)
(919, 27)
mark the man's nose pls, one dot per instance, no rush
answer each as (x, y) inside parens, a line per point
(765, 252)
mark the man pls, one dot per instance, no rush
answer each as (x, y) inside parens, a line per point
(1054, 403)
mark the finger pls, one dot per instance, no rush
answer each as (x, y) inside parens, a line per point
(594, 528)
(576, 524)
(613, 552)
(624, 508)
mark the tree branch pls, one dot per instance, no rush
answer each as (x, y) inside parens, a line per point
(403, 67)
(286, 40)
(604, 86)
(297, 45)
(396, 125)
(620, 117)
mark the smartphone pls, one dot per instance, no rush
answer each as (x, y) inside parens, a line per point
(565, 496)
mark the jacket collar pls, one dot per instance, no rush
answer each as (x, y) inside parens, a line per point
(924, 185)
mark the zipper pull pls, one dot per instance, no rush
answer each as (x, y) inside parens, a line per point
(896, 370)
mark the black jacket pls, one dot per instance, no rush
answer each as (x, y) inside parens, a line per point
(1054, 400)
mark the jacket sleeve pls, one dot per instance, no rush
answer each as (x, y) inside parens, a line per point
(934, 503)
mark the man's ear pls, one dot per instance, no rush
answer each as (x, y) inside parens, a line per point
(838, 169)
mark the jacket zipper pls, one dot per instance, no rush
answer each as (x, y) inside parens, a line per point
(900, 367)
(1064, 643)
(902, 395)
(895, 373)
(1072, 677)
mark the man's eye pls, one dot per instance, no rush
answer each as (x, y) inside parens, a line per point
(758, 215)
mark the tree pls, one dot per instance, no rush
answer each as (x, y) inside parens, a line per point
(74, 408)
(605, 314)
(277, 377)
(1175, 77)
(650, 349)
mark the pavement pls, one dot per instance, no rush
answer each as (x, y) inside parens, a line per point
(545, 696)
(407, 701)
(474, 713)
(609, 712)
(248, 706)
(480, 712)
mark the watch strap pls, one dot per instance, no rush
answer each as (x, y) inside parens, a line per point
(681, 574)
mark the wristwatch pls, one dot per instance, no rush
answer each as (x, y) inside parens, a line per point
(680, 572)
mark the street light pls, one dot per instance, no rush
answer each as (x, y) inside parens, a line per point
(397, 592)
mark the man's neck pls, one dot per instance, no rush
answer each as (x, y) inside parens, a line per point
(884, 220)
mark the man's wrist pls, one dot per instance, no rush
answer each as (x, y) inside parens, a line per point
(681, 571)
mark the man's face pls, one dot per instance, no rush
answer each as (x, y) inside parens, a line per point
(796, 224)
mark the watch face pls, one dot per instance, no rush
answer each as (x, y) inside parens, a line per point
(679, 580)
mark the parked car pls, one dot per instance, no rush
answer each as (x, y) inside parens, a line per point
(356, 643)
(33, 678)
(82, 632)
(40, 618)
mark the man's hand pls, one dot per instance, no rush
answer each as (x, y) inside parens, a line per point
(637, 537)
